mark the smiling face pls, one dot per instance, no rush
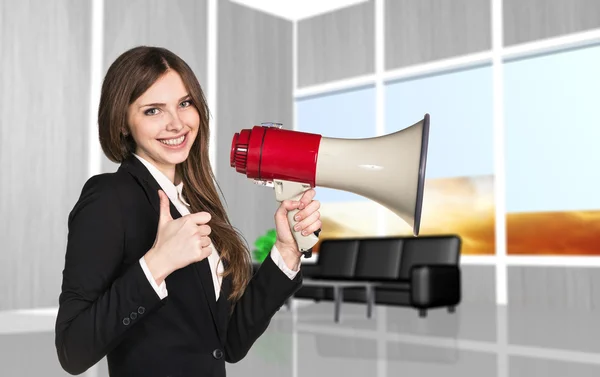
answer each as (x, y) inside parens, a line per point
(164, 123)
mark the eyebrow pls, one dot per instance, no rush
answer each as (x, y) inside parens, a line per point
(162, 104)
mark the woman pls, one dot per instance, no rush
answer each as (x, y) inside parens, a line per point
(155, 277)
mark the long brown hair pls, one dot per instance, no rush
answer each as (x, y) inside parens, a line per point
(131, 74)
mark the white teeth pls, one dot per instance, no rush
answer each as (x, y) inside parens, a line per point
(173, 141)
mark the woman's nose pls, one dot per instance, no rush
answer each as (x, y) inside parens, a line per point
(175, 123)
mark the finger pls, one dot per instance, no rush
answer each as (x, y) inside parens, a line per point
(282, 224)
(285, 206)
(198, 218)
(203, 230)
(206, 251)
(282, 212)
(312, 228)
(306, 198)
(307, 222)
(165, 208)
(199, 231)
(204, 241)
(203, 253)
(290, 204)
(312, 207)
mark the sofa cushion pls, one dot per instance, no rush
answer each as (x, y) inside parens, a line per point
(392, 297)
(397, 286)
(337, 258)
(382, 295)
(310, 270)
(378, 259)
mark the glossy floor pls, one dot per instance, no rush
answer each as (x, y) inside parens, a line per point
(305, 341)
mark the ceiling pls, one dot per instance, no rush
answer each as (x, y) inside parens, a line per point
(295, 10)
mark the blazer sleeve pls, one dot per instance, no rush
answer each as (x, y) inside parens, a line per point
(98, 297)
(267, 291)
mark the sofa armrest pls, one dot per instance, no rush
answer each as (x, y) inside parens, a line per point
(435, 285)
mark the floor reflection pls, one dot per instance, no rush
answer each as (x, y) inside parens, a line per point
(305, 341)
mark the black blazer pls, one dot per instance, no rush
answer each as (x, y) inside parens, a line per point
(107, 306)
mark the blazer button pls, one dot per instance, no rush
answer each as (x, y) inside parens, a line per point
(141, 310)
(126, 321)
(217, 354)
(133, 315)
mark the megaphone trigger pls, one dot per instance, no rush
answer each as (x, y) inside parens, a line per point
(289, 190)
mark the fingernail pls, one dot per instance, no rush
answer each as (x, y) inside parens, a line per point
(297, 227)
(304, 233)
(301, 206)
(297, 217)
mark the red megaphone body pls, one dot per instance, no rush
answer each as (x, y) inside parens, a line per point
(389, 169)
(268, 153)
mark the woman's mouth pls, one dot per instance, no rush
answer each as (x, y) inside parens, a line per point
(175, 142)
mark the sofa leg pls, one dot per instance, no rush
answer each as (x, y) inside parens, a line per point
(451, 309)
(422, 313)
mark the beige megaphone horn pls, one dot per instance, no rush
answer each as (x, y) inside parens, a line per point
(389, 169)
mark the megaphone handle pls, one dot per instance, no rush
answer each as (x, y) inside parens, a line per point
(305, 243)
(288, 190)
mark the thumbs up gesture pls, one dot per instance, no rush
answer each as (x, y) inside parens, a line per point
(178, 242)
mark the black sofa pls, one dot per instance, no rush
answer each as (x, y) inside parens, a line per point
(420, 272)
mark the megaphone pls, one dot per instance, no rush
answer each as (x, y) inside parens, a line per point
(389, 169)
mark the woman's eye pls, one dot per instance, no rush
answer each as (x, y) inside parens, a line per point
(152, 111)
(186, 103)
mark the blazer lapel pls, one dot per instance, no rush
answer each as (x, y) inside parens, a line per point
(203, 272)
(151, 187)
(224, 306)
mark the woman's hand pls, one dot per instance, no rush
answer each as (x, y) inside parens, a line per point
(307, 220)
(178, 242)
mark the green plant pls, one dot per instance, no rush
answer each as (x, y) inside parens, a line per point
(263, 245)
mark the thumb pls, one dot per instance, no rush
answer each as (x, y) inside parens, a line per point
(286, 206)
(281, 216)
(165, 209)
